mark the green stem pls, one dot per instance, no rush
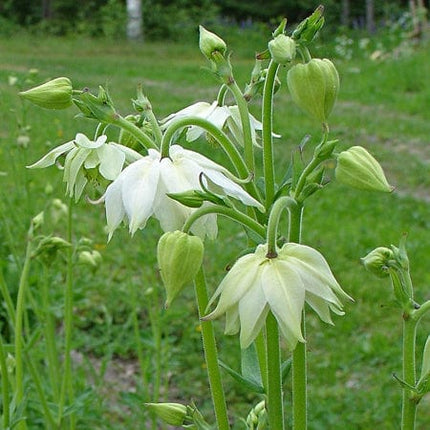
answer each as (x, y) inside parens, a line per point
(246, 125)
(275, 406)
(409, 404)
(272, 227)
(299, 366)
(233, 214)
(221, 138)
(4, 386)
(19, 314)
(7, 299)
(211, 354)
(135, 131)
(67, 383)
(267, 119)
(49, 329)
(419, 313)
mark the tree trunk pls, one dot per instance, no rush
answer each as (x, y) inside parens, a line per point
(46, 9)
(345, 14)
(134, 19)
(370, 16)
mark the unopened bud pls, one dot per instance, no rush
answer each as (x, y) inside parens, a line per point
(359, 169)
(309, 27)
(171, 413)
(314, 87)
(378, 261)
(90, 258)
(210, 43)
(55, 94)
(179, 258)
(282, 49)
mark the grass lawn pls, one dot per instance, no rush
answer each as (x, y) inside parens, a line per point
(382, 106)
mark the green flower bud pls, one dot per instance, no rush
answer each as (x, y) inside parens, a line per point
(282, 49)
(309, 27)
(378, 261)
(90, 258)
(358, 169)
(314, 86)
(55, 94)
(210, 43)
(171, 413)
(179, 259)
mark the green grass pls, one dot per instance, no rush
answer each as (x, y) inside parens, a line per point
(382, 106)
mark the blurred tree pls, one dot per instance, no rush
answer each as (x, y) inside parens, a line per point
(134, 19)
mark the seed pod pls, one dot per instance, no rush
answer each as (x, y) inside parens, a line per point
(314, 86)
(209, 43)
(171, 413)
(54, 94)
(179, 259)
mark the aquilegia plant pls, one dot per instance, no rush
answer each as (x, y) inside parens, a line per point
(154, 169)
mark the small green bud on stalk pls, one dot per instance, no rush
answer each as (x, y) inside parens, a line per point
(171, 413)
(282, 49)
(54, 94)
(359, 169)
(314, 87)
(179, 258)
(210, 43)
(378, 261)
(309, 27)
(90, 258)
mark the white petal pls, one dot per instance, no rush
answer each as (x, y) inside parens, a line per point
(232, 322)
(111, 161)
(285, 293)
(130, 154)
(241, 277)
(139, 187)
(83, 142)
(79, 185)
(115, 211)
(51, 157)
(320, 306)
(253, 309)
(312, 261)
(75, 165)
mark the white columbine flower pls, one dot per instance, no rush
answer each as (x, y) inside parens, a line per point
(83, 154)
(140, 191)
(256, 284)
(223, 117)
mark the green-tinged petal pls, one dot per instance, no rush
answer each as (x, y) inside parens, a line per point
(111, 161)
(285, 293)
(311, 261)
(253, 310)
(83, 142)
(232, 321)
(79, 186)
(75, 166)
(51, 157)
(320, 306)
(130, 154)
(241, 278)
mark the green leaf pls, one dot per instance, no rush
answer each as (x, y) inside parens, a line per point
(246, 383)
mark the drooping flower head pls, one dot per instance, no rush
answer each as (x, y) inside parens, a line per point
(257, 284)
(142, 188)
(82, 155)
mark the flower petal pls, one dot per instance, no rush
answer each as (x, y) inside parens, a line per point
(139, 187)
(111, 161)
(285, 293)
(241, 278)
(51, 157)
(82, 141)
(115, 211)
(253, 310)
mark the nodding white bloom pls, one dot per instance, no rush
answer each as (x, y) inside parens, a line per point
(140, 191)
(223, 117)
(83, 154)
(257, 284)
